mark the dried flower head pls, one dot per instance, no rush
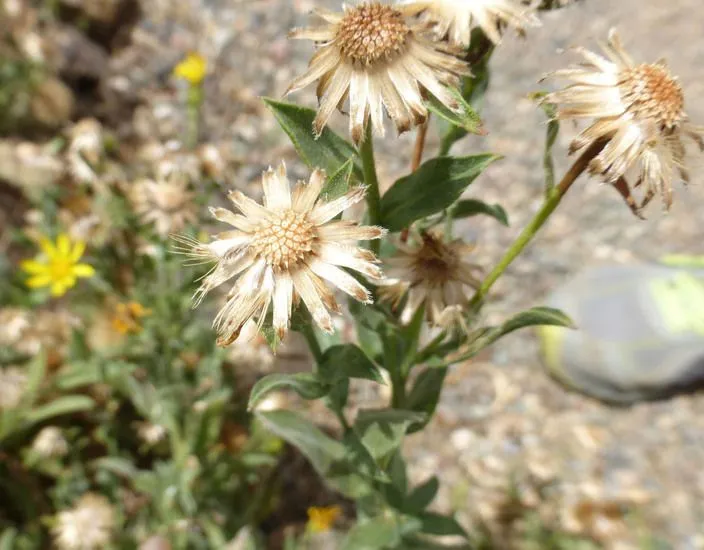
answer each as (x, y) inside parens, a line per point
(455, 19)
(165, 202)
(87, 526)
(284, 250)
(13, 382)
(14, 322)
(151, 434)
(431, 273)
(50, 443)
(85, 150)
(373, 55)
(192, 69)
(58, 267)
(639, 112)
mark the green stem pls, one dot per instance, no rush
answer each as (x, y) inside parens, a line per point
(366, 152)
(193, 105)
(549, 206)
(313, 344)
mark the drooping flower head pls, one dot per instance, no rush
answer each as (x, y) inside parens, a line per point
(87, 526)
(283, 250)
(58, 267)
(639, 114)
(373, 55)
(455, 19)
(432, 273)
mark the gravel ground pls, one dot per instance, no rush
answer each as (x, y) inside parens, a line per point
(612, 473)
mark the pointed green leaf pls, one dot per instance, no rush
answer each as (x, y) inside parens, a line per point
(339, 183)
(348, 361)
(382, 431)
(465, 117)
(537, 316)
(328, 152)
(379, 533)
(422, 496)
(425, 395)
(436, 185)
(305, 384)
(436, 524)
(550, 138)
(472, 207)
(63, 405)
(320, 449)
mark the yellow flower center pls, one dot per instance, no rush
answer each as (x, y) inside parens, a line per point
(652, 93)
(285, 241)
(435, 263)
(372, 32)
(60, 268)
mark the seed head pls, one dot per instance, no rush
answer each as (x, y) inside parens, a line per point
(653, 93)
(285, 241)
(372, 32)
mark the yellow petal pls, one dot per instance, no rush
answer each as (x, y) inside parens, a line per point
(48, 248)
(39, 280)
(58, 289)
(63, 245)
(34, 267)
(78, 249)
(83, 270)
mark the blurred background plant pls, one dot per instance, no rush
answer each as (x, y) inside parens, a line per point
(122, 423)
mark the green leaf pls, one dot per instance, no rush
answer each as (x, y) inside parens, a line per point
(550, 138)
(437, 524)
(376, 534)
(382, 431)
(321, 450)
(472, 207)
(339, 183)
(538, 316)
(422, 496)
(304, 384)
(7, 539)
(425, 394)
(348, 361)
(63, 405)
(118, 466)
(328, 152)
(436, 185)
(465, 118)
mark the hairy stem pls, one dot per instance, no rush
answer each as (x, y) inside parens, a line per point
(551, 202)
(371, 180)
(421, 134)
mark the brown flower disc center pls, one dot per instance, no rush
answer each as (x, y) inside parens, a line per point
(435, 263)
(652, 93)
(285, 241)
(371, 33)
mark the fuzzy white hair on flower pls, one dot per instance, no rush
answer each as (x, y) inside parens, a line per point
(373, 55)
(285, 249)
(455, 19)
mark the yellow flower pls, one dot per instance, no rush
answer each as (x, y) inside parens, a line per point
(322, 519)
(58, 266)
(192, 69)
(128, 316)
